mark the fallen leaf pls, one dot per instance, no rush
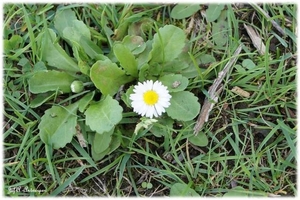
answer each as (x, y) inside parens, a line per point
(240, 91)
(80, 137)
(256, 39)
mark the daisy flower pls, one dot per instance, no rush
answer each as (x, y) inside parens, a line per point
(150, 99)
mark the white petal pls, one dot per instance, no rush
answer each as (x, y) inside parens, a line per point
(136, 97)
(164, 103)
(145, 110)
(150, 111)
(148, 85)
(159, 109)
(157, 84)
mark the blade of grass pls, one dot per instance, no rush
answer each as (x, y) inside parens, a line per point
(31, 34)
(72, 178)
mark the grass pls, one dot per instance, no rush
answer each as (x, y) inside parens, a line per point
(252, 141)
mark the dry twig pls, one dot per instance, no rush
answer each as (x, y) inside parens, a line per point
(213, 93)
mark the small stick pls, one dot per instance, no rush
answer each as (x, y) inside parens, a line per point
(213, 92)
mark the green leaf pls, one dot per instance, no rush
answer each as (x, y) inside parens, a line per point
(122, 28)
(12, 44)
(99, 156)
(220, 33)
(101, 141)
(141, 27)
(84, 67)
(206, 59)
(167, 44)
(144, 73)
(125, 96)
(39, 66)
(184, 106)
(54, 54)
(84, 101)
(174, 82)
(144, 185)
(25, 64)
(200, 140)
(102, 116)
(241, 192)
(91, 48)
(181, 11)
(64, 18)
(63, 186)
(114, 144)
(240, 69)
(76, 32)
(126, 59)
(182, 189)
(143, 57)
(135, 43)
(57, 125)
(108, 77)
(44, 81)
(236, 192)
(149, 185)
(40, 99)
(213, 12)
(68, 27)
(162, 127)
(176, 66)
(248, 64)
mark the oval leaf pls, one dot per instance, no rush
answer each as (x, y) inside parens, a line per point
(200, 140)
(220, 33)
(248, 63)
(58, 124)
(101, 141)
(113, 145)
(102, 116)
(135, 43)
(206, 59)
(63, 19)
(126, 59)
(44, 81)
(167, 44)
(108, 77)
(184, 106)
(213, 12)
(53, 53)
(182, 189)
(76, 31)
(84, 101)
(176, 66)
(181, 11)
(69, 27)
(174, 82)
(91, 48)
(41, 98)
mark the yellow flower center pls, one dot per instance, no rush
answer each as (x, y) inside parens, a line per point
(150, 97)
